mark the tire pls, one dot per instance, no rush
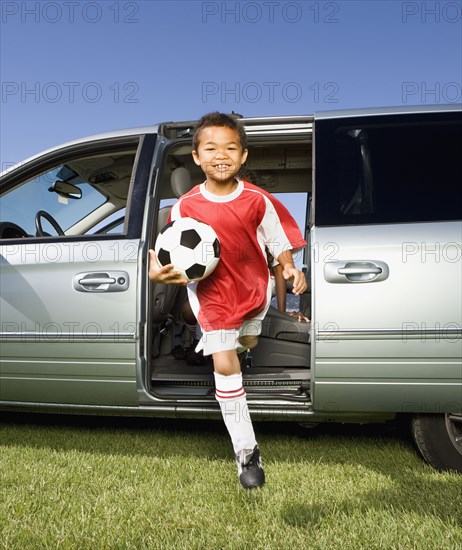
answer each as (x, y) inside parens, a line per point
(439, 439)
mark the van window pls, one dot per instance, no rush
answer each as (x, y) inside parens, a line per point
(385, 169)
(83, 195)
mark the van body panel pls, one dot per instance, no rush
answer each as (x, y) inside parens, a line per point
(61, 345)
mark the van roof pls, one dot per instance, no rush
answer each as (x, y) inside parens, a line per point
(248, 121)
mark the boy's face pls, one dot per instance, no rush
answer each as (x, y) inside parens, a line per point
(219, 153)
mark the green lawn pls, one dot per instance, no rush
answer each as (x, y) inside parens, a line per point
(69, 482)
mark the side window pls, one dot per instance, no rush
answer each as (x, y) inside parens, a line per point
(79, 196)
(112, 225)
(402, 168)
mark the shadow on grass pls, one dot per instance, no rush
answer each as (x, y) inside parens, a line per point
(183, 437)
(127, 436)
(130, 435)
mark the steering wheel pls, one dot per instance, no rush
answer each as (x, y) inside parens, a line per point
(38, 223)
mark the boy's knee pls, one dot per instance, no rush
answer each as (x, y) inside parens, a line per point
(226, 363)
(248, 341)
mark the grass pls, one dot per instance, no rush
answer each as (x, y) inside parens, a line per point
(70, 482)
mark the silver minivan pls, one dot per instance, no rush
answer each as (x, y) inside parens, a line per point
(378, 195)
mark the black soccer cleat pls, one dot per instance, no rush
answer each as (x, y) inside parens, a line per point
(249, 468)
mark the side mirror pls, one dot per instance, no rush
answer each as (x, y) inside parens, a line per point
(65, 189)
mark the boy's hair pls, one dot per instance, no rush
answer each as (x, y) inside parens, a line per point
(219, 119)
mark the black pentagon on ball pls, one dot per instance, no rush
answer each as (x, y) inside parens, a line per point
(190, 238)
(164, 257)
(216, 248)
(196, 271)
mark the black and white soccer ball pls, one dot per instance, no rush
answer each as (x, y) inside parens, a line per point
(191, 246)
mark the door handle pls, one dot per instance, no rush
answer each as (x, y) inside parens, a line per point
(96, 281)
(101, 281)
(359, 270)
(355, 271)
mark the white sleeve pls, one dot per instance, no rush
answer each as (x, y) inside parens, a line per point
(271, 232)
(175, 213)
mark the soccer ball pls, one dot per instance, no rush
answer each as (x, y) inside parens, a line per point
(191, 246)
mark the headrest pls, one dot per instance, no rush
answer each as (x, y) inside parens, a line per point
(180, 181)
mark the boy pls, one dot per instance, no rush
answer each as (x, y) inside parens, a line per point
(231, 303)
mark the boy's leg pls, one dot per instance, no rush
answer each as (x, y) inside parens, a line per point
(231, 396)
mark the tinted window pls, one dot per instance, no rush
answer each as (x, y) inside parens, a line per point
(404, 168)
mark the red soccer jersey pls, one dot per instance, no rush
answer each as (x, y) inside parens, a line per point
(246, 221)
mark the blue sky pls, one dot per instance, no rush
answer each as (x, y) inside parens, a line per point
(70, 69)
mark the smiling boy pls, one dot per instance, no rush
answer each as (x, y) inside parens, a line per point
(231, 303)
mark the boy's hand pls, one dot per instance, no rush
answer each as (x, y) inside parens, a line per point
(165, 274)
(291, 272)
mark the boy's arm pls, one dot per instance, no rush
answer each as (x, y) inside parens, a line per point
(291, 272)
(280, 284)
(165, 274)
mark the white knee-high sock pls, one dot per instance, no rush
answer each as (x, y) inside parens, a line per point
(229, 392)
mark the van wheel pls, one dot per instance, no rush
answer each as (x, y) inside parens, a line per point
(439, 439)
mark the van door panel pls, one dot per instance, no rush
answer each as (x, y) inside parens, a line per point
(387, 343)
(393, 343)
(60, 345)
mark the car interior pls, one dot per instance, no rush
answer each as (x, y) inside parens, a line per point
(279, 365)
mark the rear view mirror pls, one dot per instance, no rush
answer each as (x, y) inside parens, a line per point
(65, 189)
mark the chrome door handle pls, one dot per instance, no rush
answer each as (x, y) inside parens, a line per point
(359, 270)
(96, 281)
(101, 281)
(355, 271)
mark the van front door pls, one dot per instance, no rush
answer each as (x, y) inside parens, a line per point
(69, 254)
